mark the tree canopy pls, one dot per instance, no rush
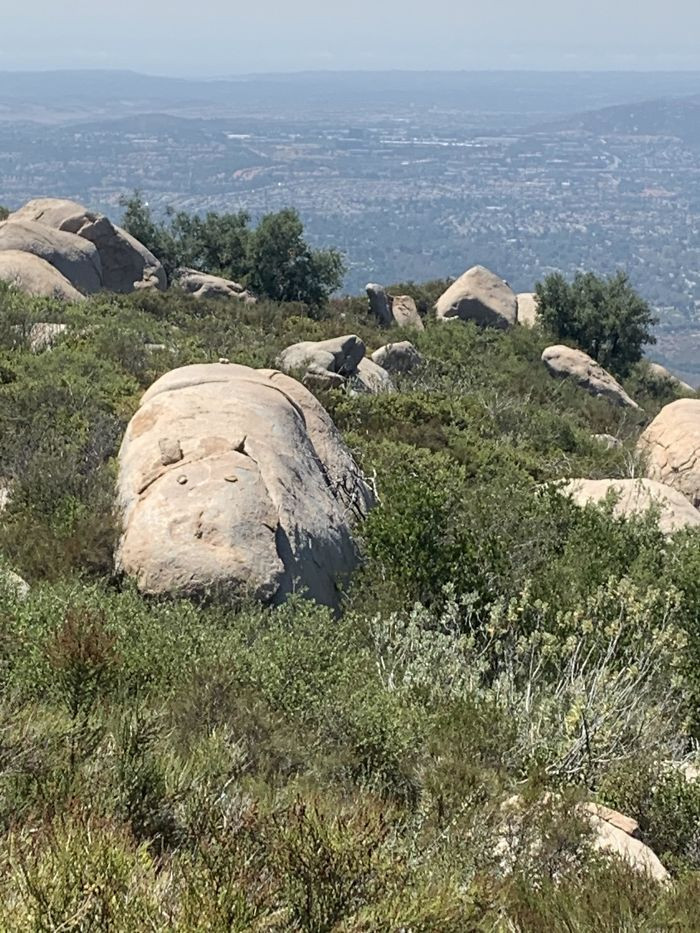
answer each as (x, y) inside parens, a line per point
(273, 259)
(604, 317)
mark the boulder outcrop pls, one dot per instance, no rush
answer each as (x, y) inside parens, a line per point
(235, 480)
(671, 446)
(635, 497)
(480, 296)
(339, 355)
(664, 375)
(400, 357)
(389, 309)
(75, 258)
(35, 276)
(340, 361)
(203, 285)
(126, 265)
(567, 363)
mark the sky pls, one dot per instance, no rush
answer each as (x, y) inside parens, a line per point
(212, 38)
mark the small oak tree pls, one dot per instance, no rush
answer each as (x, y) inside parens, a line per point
(603, 316)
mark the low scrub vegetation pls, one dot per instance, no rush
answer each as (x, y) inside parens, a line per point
(172, 766)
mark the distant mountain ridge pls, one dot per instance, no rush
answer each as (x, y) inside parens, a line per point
(544, 94)
(674, 117)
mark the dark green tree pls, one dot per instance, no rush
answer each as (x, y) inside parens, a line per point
(273, 260)
(282, 265)
(4, 212)
(603, 316)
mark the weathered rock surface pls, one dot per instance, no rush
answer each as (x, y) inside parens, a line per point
(126, 264)
(405, 312)
(567, 363)
(203, 285)
(636, 497)
(340, 355)
(527, 309)
(661, 373)
(671, 445)
(43, 336)
(235, 480)
(480, 296)
(607, 440)
(393, 309)
(75, 258)
(400, 357)
(371, 379)
(611, 832)
(616, 834)
(35, 276)
(12, 582)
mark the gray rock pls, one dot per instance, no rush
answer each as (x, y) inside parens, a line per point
(607, 440)
(35, 276)
(340, 355)
(203, 285)
(401, 357)
(262, 500)
(479, 296)
(370, 379)
(12, 582)
(388, 309)
(566, 363)
(75, 258)
(43, 336)
(380, 304)
(671, 447)
(634, 497)
(316, 378)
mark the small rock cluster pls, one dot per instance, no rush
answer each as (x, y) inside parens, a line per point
(341, 361)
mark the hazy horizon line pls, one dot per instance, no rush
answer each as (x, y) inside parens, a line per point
(231, 76)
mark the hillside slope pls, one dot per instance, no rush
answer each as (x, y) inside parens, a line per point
(172, 764)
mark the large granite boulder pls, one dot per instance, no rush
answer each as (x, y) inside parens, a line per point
(235, 480)
(567, 363)
(339, 355)
(671, 446)
(661, 374)
(75, 258)
(35, 276)
(399, 310)
(203, 285)
(635, 497)
(126, 264)
(480, 296)
(400, 357)
(527, 309)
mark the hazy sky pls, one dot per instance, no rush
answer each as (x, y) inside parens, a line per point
(219, 37)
